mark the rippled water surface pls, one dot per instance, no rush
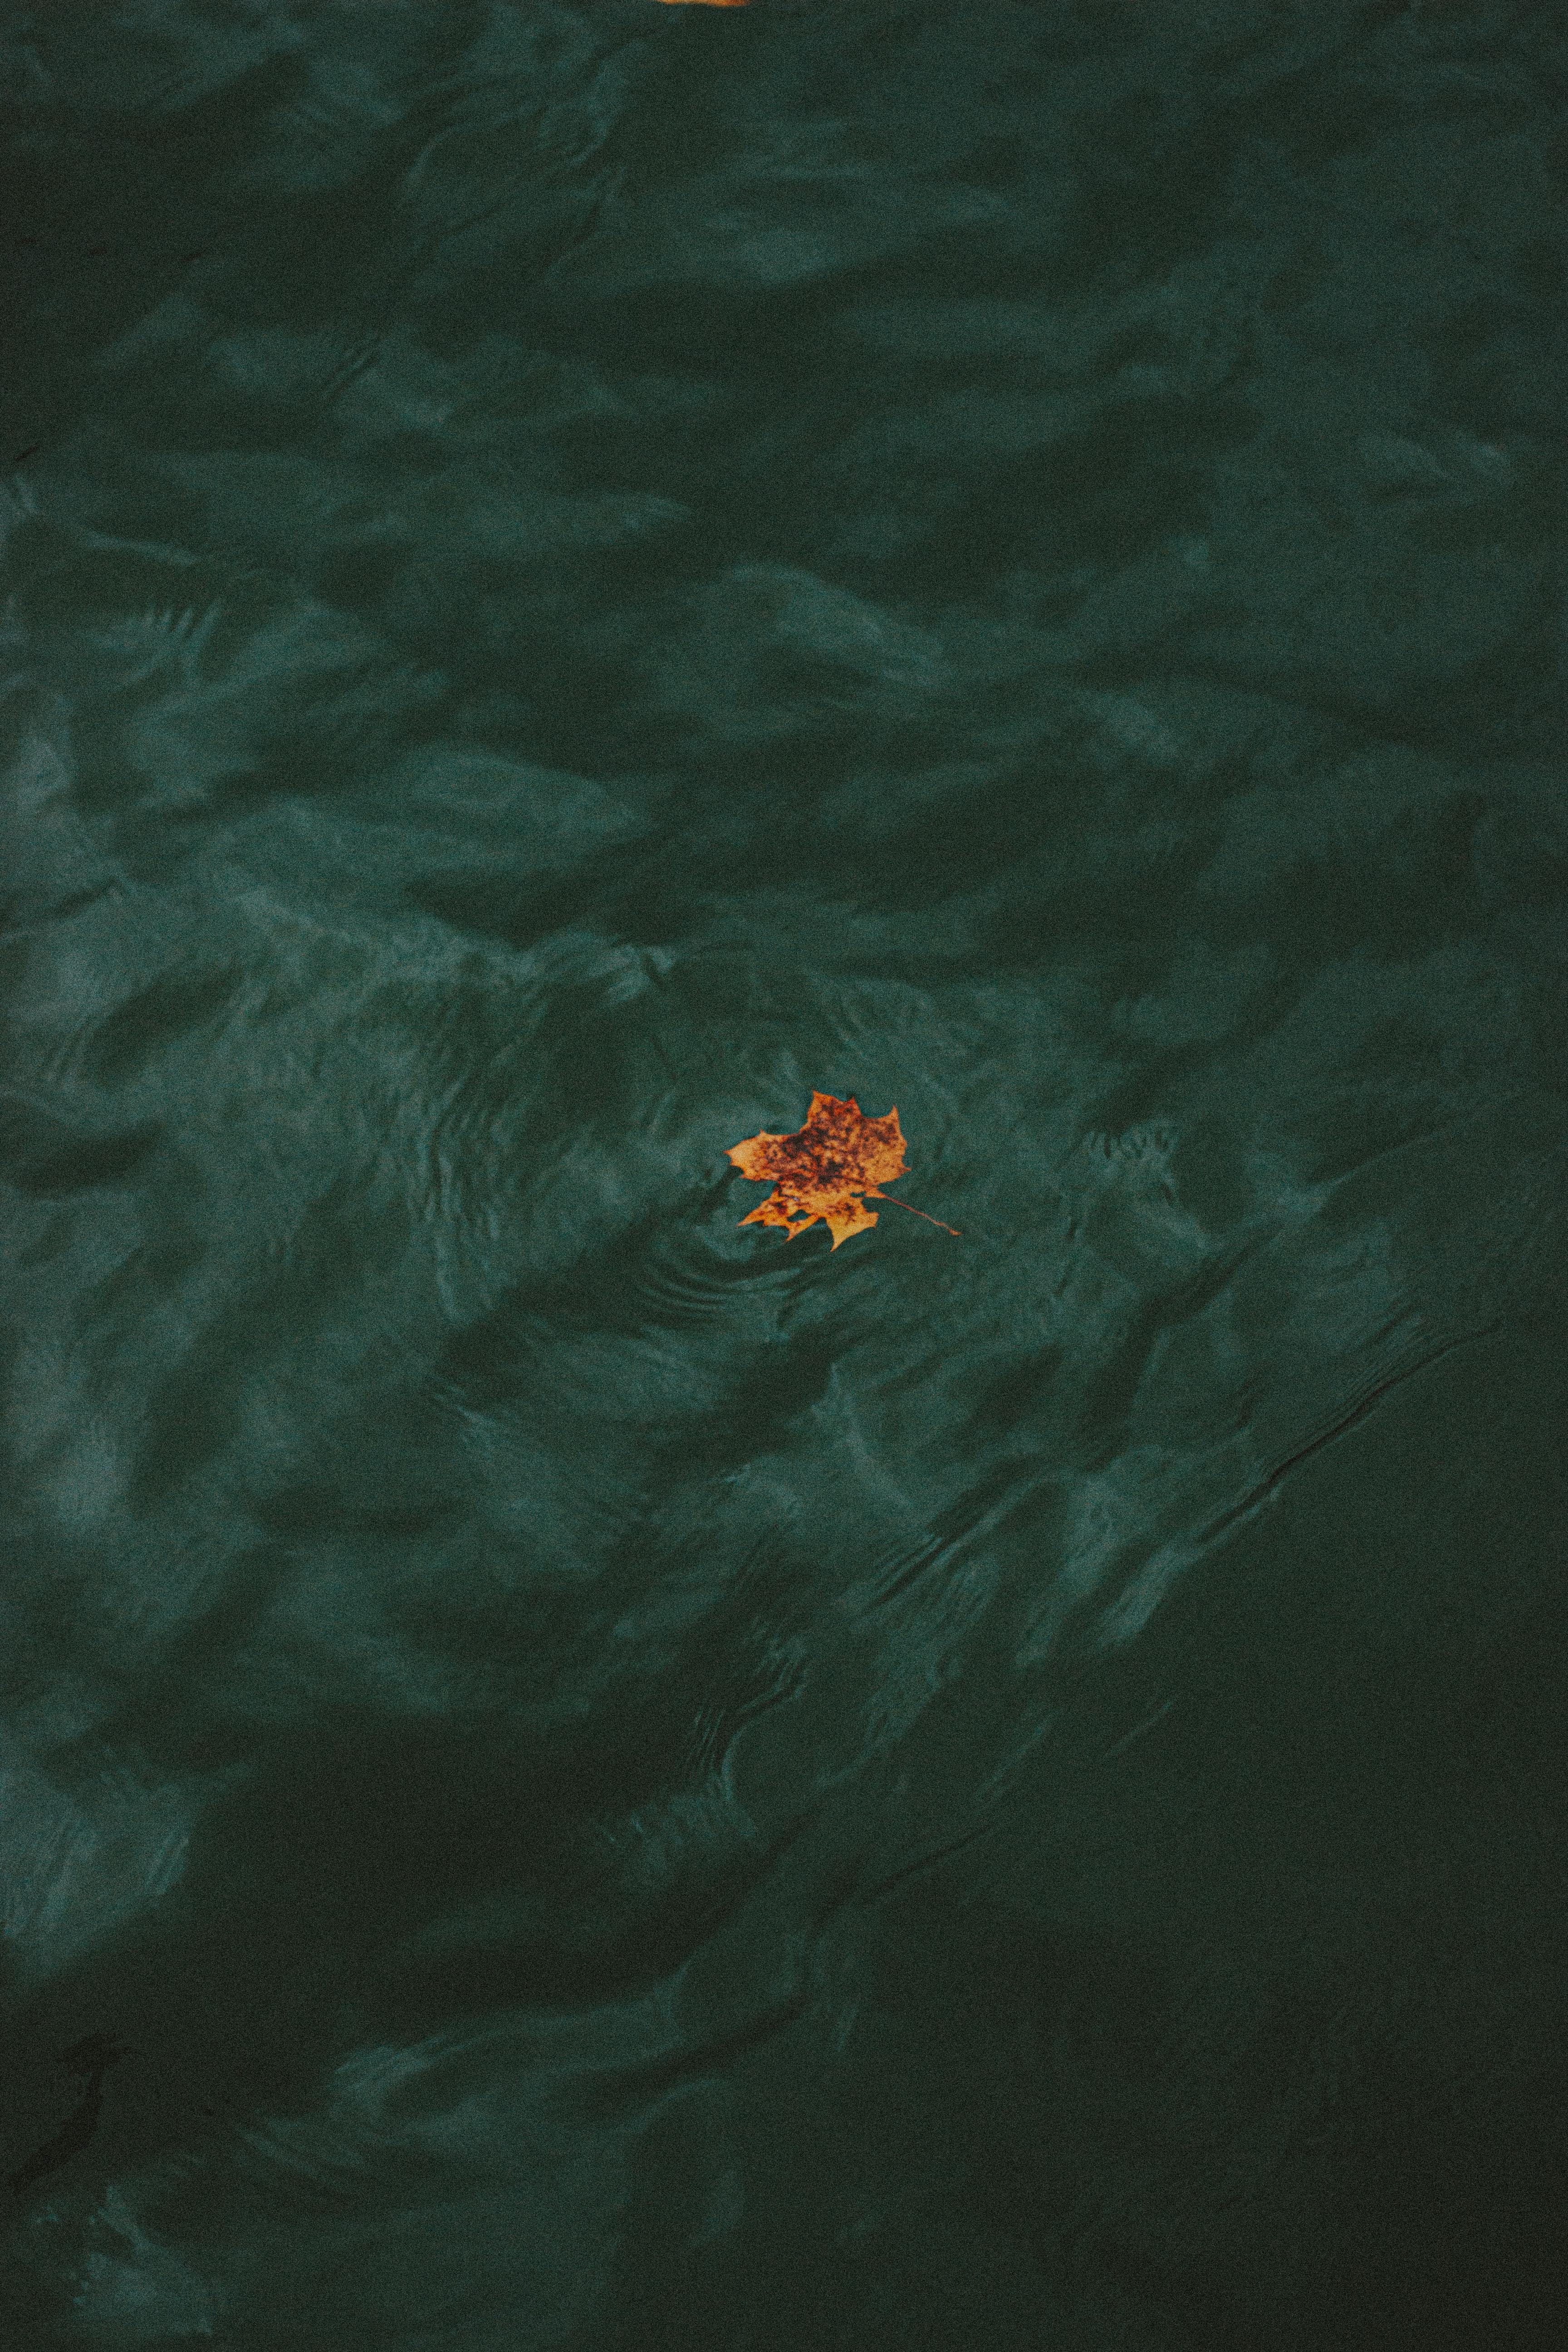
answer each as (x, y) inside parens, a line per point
(579, 1774)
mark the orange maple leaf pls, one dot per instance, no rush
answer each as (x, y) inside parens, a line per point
(821, 1169)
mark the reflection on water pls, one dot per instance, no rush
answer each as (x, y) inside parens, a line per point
(578, 1773)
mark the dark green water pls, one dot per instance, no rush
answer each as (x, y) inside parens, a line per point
(576, 1775)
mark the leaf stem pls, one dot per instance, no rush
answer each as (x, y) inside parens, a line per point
(914, 1211)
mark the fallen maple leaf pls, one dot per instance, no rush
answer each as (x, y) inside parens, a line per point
(822, 1166)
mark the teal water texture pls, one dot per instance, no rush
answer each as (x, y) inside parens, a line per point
(576, 1775)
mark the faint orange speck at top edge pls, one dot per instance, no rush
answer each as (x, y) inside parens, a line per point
(709, 3)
